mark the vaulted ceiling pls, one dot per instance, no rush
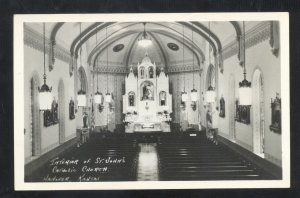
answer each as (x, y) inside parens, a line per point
(118, 41)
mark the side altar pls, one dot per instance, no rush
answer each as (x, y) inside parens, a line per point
(147, 103)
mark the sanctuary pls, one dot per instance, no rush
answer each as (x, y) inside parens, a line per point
(147, 103)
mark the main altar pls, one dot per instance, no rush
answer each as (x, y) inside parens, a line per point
(147, 104)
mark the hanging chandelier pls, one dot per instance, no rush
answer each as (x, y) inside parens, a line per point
(184, 95)
(210, 93)
(81, 95)
(98, 95)
(194, 93)
(108, 97)
(245, 94)
(145, 39)
(45, 96)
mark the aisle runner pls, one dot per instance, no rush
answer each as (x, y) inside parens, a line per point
(147, 163)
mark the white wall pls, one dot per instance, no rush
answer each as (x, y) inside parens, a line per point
(188, 116)
(114, 83)
(260, 57)
(33, 64)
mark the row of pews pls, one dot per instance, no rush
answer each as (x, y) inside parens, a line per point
(179, 156)
(105, 157)
(184, 157)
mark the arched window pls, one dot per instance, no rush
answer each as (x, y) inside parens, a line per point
(151, 72)
(131, 99)
(142, 72)
(162, 98)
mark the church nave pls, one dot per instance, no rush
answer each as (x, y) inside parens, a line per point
(188, 100)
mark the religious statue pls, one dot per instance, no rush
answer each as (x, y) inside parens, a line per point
(54, 108)
(85, 119)
(131, 99)
(222, 107)
(162, 96)
(276, 114)
(71, 109)
(51, 116)
(150, 72)
(142, 72)
(147, 92)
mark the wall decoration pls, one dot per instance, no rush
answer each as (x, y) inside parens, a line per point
(131, 99)
(222, 108)
(51, 116)
(147, 88)
(100, 107)
(162, 98)
(193, 105)
(182, 105)
(118, 47)
(276, 114)
(71, 109)
(173, 46)
(242, 113)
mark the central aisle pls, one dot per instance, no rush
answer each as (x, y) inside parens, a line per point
(147, 168)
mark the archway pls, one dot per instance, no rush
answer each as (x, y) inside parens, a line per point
(258, 113)
(231, 107)
(61, 111)
(35, 132)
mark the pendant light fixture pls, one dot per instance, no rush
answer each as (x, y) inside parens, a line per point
(144, 40)
(184, 95)
(81, 95)
(108, 95)
(245, 86)
(45, 96)
(210, 93)
(194, 93)
(98, 95)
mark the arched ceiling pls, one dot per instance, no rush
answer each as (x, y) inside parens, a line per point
(218, 34)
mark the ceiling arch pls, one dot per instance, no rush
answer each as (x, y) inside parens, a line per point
(162, 50)
(55, 29)
(188, 44)
(168, 29)
(128, 52)
(200, 57)
(89, 32)
(96, 52)
(237, 28)
(210, 33)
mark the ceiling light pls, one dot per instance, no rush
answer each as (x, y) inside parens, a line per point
(245, 93)
(45, 96)
(144, 40)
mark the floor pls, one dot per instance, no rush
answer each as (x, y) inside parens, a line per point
(147, 157)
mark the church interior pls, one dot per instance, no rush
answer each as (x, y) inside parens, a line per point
(152, 101)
